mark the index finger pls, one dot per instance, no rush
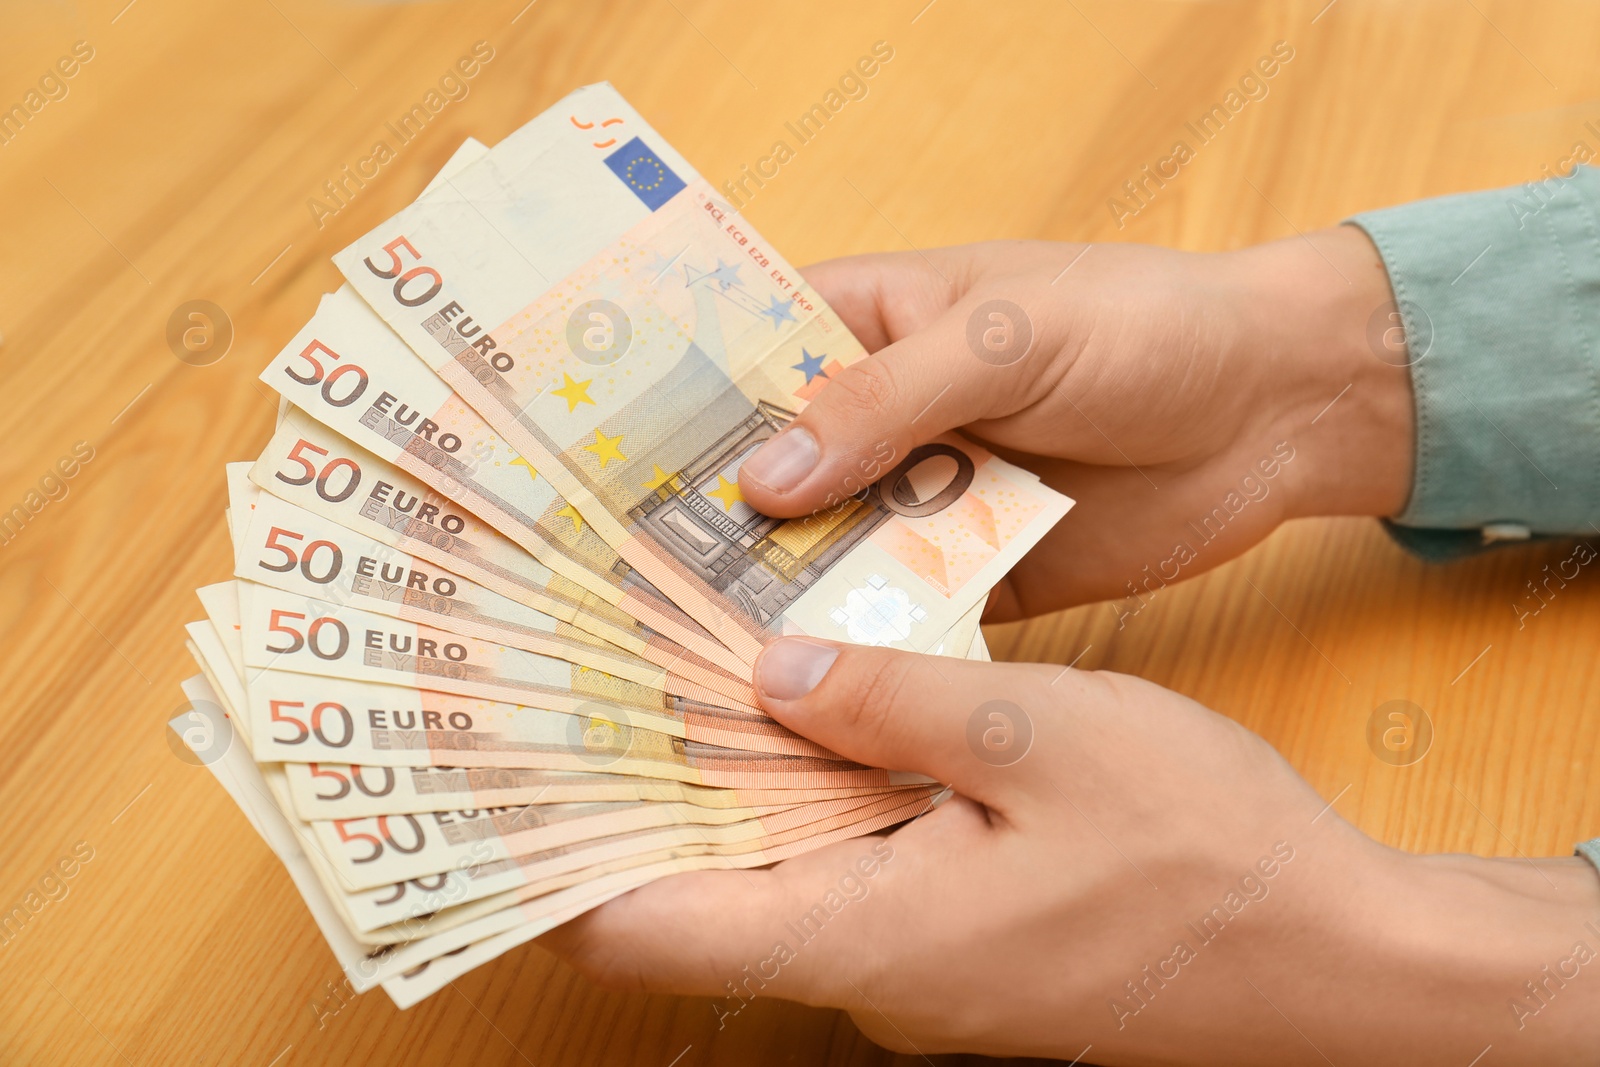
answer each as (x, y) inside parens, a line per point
(883, 296)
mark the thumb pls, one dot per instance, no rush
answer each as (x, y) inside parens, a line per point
(962, 722)
(869, 416)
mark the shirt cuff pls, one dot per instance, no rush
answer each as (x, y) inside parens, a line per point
(1499, 296)
(1589, 850)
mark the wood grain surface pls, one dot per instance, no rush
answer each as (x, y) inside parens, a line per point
(181, 163)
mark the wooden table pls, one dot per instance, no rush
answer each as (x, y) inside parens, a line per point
(182, 163)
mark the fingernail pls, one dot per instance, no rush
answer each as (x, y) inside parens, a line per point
(784, 461)
(791, 667)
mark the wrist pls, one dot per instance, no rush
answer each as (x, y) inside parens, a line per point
(1457, 953)
(1335, 371)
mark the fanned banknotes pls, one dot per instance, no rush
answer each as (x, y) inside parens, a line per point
(484, 663)
(637, 384)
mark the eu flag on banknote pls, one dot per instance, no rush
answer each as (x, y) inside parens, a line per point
(645, 173)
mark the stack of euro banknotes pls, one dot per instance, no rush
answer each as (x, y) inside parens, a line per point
(485, 662)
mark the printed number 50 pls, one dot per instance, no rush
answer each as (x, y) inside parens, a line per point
(400, 280)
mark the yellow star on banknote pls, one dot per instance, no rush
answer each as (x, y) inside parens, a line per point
(727, 492)
(573, 392)
(661, 477)
(520, 462)
(606, 448)
(572, 513)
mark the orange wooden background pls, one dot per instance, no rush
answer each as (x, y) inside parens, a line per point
(179, 165)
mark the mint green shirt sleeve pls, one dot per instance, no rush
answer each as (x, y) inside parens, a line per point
(1499, 296)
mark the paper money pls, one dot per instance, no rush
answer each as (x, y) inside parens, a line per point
(519, 878)
(258, 791)
(348, 371)
(485, 664)
(640, 383)
(289, 548)
(240, 777)
(305, 718)
(221, 743)
(520, 217)
(416, 984)
(283, 632)
(368, 495)
(542, 903)
(504, 918)
(382, 850)
(260, 797)
(373, 913)
(335, 790)
(430, 904)
(429, 961)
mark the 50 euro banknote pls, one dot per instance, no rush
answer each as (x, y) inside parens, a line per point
(298, 717)
(301, 719)
(378, 917)
(399, 947)
(430, 961)
(487, 884)
(640, 383)
(285, 632)
(549, 889)
(304, 718)
(315, 468)
(421, 907)
(287, 547)
(332, 790)
(464, 460)
(206, 729)
(382, 850)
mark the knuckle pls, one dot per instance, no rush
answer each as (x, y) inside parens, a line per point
(875, 693)
(864, 392)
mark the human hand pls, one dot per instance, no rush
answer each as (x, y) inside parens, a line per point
(1147, 879)
(1175, 396)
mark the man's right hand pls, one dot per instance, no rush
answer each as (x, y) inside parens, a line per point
(1180, 398)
